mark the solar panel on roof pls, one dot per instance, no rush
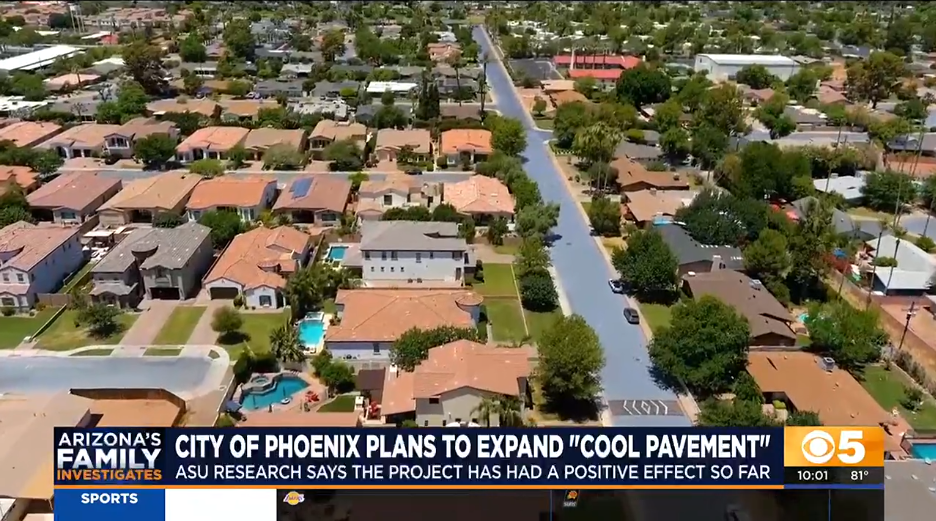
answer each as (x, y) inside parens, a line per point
(301, 187)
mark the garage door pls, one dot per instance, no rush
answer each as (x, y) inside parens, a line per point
(223, 293)
(165, 293)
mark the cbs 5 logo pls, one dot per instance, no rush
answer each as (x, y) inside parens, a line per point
(820, 447)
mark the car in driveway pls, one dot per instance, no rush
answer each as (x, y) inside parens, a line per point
(631, 315)
(617, 286)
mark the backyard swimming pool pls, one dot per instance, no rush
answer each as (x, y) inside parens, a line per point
(312, 329)
(924, 451)
(284, 386)
(336, 252)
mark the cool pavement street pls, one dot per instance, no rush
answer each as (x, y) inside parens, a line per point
(584, 276)
(583, 270)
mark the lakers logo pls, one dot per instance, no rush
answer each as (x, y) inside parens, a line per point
(293, 498)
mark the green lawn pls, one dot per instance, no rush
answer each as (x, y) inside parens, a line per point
(506, 249)
(255, 332)
(506, 319)
(498, 281)
(343, 403)
(163, 351)
(14, 329)
(102, 351)
(868, 213)
(64, 335)
(656, 315)
(539, 322)
(544, 123)
(178, 328)
(887, 388)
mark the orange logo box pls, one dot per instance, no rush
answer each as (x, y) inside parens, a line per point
(833, 447)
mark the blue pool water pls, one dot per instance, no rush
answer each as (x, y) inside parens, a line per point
(311, 331)
(285, 386)
(803, 317)
(336, 253)
(924, 451)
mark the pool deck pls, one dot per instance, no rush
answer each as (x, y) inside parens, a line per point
(312, 384)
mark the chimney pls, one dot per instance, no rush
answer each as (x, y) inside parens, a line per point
(827, 364)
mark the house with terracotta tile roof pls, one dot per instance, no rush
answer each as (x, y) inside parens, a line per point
(72, 198)
(481, 197)
(567, 96)
(22, 176)
(410, 254)
(203, 107)
(319, 200)
(256, 265)
(36, 259)
(70, 81)
(442, 51)
(605, 69)
(155, 263)
(210, 143)
(120, 142)
(633, 176)
(448, 386)
(25, 134)
(390, 142)
(465, 145)
(372, 319)
(654, 206)
(141, 200)
(247, 196)
(259, 140)
(394, 191)
(244, 110)
(328, 131)
(87, 140)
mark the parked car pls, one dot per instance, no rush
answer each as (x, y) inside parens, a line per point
(631, 315)
(617, 286)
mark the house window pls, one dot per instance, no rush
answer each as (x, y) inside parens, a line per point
(381, 269)
(426, 423)
(401, 269)
(433, 401)
(366, 255)
(376, 348)
(8, 302)
(20, 277)
(387, 200)
(419, 257)
(393, 255)
(456, 255)
(266, 301)
(431, 255)
(6, 277)
(383, 255)
(429, 201)
(69, 216)
(392, 269)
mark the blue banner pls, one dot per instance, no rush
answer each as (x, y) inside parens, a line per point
(111, 505)
(425, 457)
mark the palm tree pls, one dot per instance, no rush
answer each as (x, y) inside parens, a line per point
(455, 61)
(486, 408)
(483, 84)
(596, 144)
(884, 226)
(285, 345)
(508, 409)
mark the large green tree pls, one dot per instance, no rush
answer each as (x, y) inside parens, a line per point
(875, 78)
(412, 347)
(225, 225)
(570, 362)
(238, 40)
(508, 137)
(733, 413)
(850, 336)
(643, 85)
(705, 346)
(647, 265)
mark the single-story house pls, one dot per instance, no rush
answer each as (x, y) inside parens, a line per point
(72, 198)
(246, 196)
(694, 257)
(141, 200)
(87, 140)
(481, 197)
(914, 272)
(463, 145)
(319, 200)
(260, 140)
(391, 141)
(211, 143)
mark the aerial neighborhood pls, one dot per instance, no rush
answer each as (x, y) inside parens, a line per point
(467, 214)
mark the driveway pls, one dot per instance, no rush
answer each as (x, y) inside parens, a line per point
(39, 374)
(145, 329)
(583, 271)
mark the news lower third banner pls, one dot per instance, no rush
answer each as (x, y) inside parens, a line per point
(557, 458)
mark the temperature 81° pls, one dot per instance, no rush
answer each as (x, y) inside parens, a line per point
(858, 475)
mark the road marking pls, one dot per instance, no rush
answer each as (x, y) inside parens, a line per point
(643, 408)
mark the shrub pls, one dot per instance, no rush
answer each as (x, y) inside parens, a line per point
(778, 405)
(538, 292)
(912, 399)
(239, 301)
(8, 311)
(925, 243)
(885, 262)
(442, 162)
(409, 424)
(226, 320)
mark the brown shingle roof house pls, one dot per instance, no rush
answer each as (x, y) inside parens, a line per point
(256, 263)
(28, 133)
(141, 200)
(643, 206)
(73, 197)
(452, 374)
(380, 316)
(768, 319)
(391, 141)
(211, 142)
(633, 176)
(260, 140)
(810, 383)
(321, 199)
(248, 196)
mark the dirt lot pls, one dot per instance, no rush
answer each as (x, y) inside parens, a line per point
(536, 69)
(921, 339)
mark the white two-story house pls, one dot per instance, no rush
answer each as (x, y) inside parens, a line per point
(401, 253)
(35, 259)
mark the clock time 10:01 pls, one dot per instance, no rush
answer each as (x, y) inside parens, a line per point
(812, 475)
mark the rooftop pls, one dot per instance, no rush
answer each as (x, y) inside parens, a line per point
(632, 174)
(465, 140)
(382, 315)
(688, 250)
(419, 139)
(88, 135)
(264, 138)
(453, 366)
(24, 245)
(163, 192)
(229, 192)
(847, 186)
(915, 268)
(479, 195)
(215, 139)
(644, 205)
(139, 128)
(316, 193)
(338, 130)
(72, 191)
(748, 59)
(36, 59)
(169, 248)
(28, 133)
(205, 107)
(258, 257)
(411, 236)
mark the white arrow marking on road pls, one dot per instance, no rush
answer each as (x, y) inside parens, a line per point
(624, 406)
(665, 408)
(645, 406)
